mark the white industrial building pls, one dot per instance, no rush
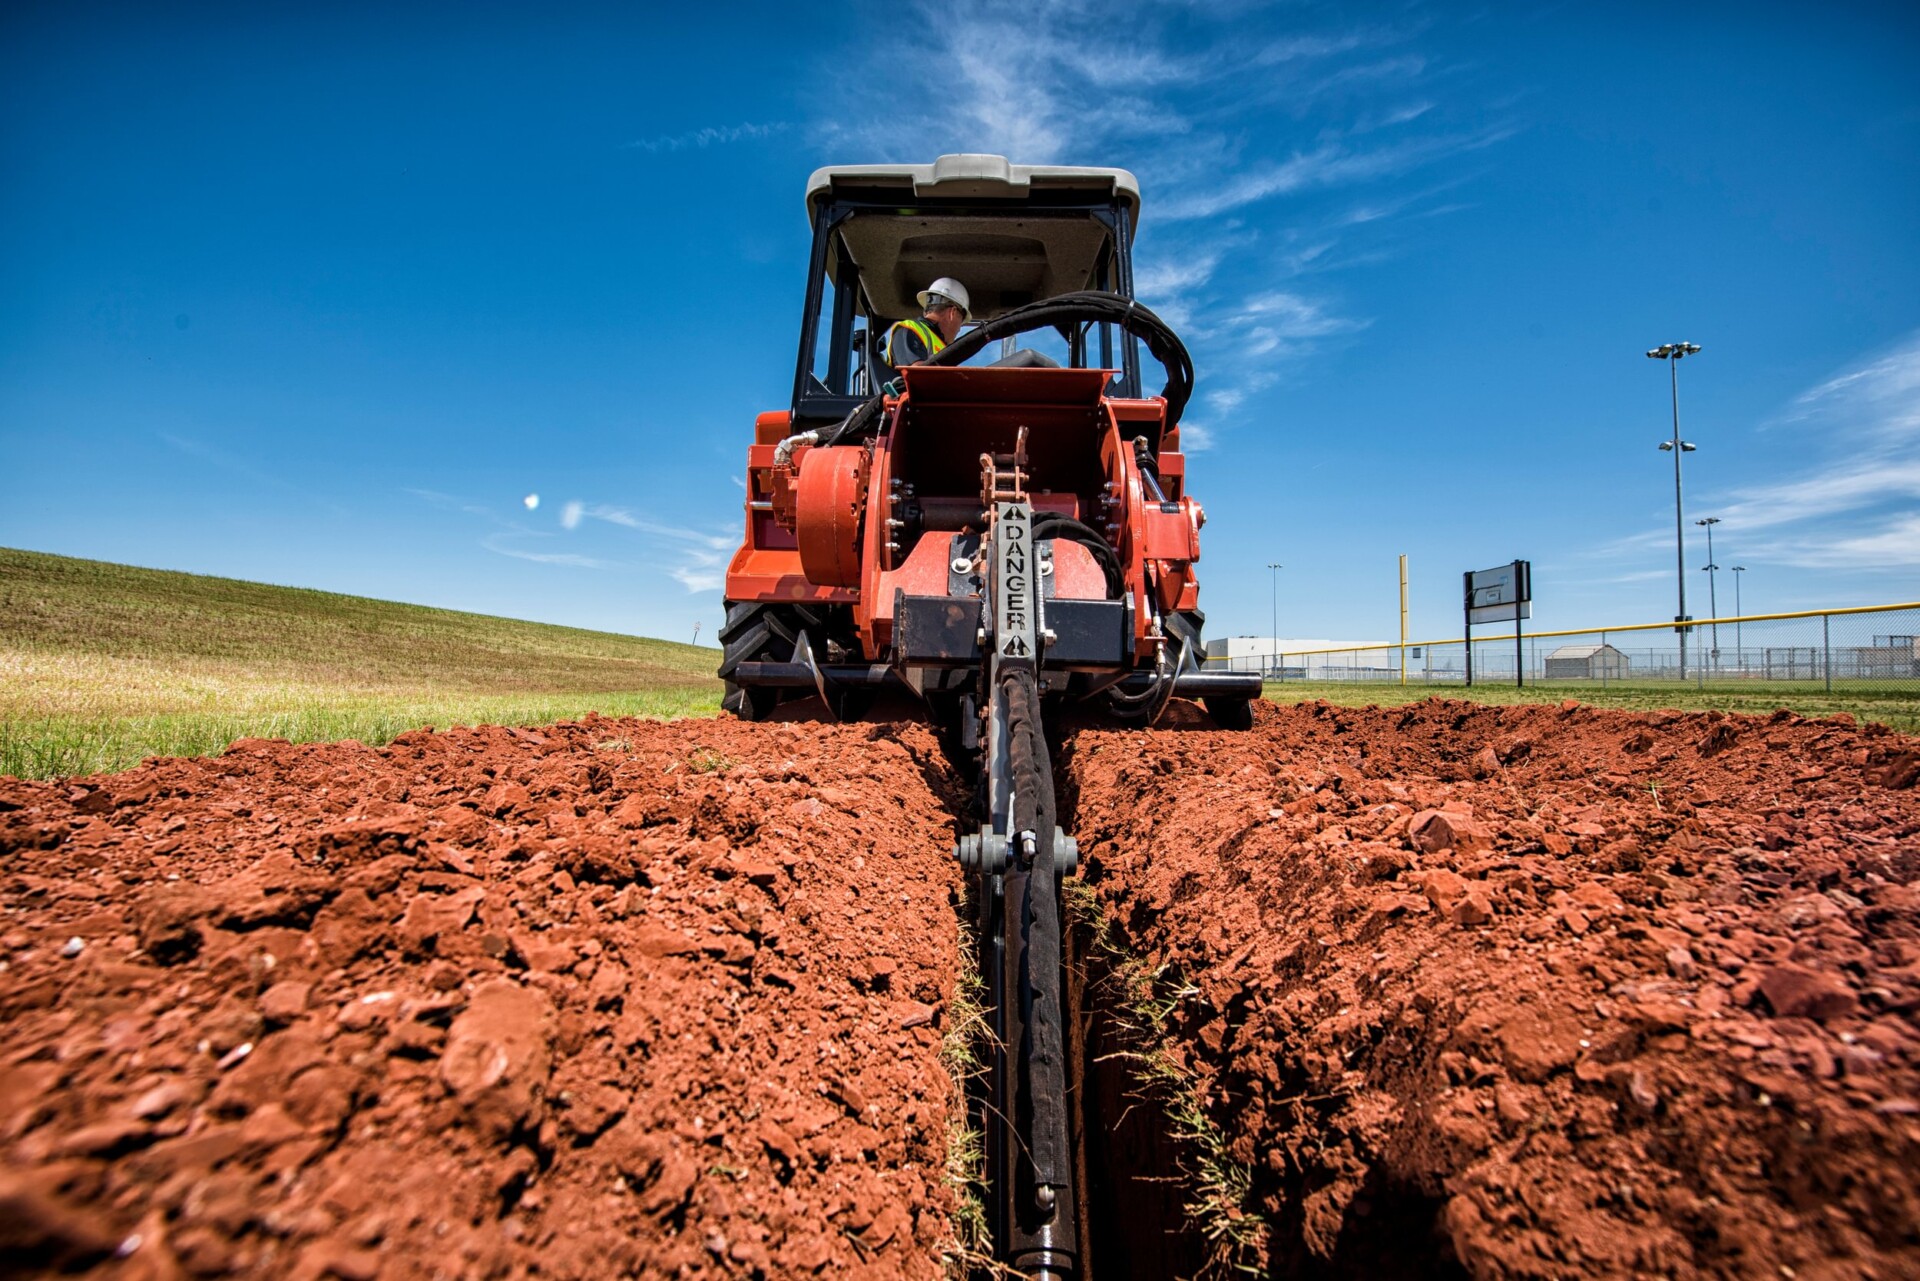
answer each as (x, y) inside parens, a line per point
(1305, 657)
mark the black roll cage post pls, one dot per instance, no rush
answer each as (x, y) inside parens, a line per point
(814, 401)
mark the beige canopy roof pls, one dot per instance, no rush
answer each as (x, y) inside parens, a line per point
(977, 175)
(1004, 259)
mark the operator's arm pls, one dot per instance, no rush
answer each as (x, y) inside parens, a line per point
(904, 347)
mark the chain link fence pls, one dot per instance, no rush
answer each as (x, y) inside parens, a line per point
(1875, 648)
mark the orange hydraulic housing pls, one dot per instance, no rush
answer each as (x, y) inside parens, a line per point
(859, 525)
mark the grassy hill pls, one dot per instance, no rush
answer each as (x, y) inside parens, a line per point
(101, 665)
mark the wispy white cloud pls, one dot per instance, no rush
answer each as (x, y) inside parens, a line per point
(1893, 544)
(1195, 438)
(1292, 316)
(1824, 491)
(1879, 543)
(1879, 399)
(676, 533)
(712, 136)
(1168, 285)
(499, 546)
(1328, 165)
(694, 558)
(698, 580)
(1865, 495)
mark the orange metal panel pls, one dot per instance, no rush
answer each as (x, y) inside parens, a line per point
(1171, 535)
(772, 427)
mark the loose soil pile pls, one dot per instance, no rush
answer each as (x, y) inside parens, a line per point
(1536, 992)
(1507, 992)
(614, 998)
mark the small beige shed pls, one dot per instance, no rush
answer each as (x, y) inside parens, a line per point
(1587, 662)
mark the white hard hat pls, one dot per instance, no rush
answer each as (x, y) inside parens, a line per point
(950, 289)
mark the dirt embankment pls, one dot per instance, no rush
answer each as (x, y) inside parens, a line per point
(1533, 991)
(612, 998)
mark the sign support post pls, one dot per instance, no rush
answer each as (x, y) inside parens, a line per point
(1468, 577)
(1519, 659)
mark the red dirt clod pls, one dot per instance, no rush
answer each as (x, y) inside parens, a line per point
(1437, 831)
(1902, 771)
(1795, 992)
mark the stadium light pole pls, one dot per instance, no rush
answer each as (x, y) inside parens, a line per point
(1713, 597)
(1738, 613)
(1276, 568)
(1673, 353)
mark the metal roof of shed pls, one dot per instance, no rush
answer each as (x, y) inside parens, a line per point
(1582, 651)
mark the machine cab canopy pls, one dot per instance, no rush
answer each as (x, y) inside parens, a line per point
(1012, 234)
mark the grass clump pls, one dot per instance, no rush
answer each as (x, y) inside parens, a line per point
(704, 760)
(1145, 999)
(103, 665)
(964, 1171)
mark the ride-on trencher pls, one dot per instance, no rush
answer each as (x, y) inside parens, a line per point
(994, 540)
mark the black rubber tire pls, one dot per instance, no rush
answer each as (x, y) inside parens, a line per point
(768, 631)
(754, 632)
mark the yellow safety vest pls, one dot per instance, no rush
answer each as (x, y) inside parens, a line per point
(925, 332)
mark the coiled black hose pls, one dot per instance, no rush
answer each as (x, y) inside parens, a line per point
(1093, 305)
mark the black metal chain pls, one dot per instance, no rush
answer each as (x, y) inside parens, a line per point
(1044, 1111)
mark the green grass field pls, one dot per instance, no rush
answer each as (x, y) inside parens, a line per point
(102, 665)
(1898, 709)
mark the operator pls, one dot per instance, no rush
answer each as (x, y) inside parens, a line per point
(943, 306)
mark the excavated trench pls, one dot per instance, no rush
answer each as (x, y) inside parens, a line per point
(1144, 1210)
(1133, 1185)
(1507, 992)
(1149, 1208)
(1501, 992)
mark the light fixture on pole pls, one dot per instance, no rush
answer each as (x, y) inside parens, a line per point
(1276, 568)
(1673, 353)
(1738, 613)
(1713, 597)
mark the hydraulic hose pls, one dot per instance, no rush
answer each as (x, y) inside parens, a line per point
(1064, 309)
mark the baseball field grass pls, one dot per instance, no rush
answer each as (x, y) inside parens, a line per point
(102, 665)
(1892, 706)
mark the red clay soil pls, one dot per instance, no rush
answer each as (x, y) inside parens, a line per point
(1537, 992)
(614, 998)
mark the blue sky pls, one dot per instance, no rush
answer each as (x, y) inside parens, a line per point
(318, 296)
